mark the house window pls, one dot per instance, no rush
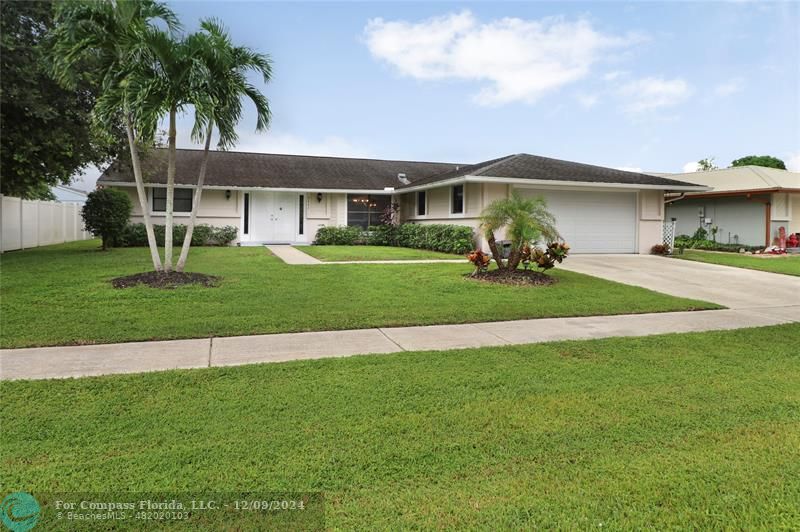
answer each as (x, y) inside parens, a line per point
(182, 200)
(457, 202)
(246, 225)
(302, 214)
(365, 210)
(422, 203)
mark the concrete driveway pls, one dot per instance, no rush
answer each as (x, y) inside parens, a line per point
(736, 288)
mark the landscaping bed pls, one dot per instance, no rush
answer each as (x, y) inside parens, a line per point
(667, 432)
(167, 280)
(62, 295)
(514, 277)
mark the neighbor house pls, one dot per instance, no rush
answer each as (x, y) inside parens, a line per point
(287, 198)
(748, 204)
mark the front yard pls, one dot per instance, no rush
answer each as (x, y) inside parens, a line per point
(62, 295)
(695, 431)
(787, 264)
(361, 253)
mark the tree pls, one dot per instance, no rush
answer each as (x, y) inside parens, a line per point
(526, 220)
(706, 165)
(106, 214)
(218, 103)
(760, 160)
(47, 130)
(114, 37)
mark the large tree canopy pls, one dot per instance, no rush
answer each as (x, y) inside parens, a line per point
(47, 133)
(760, 160)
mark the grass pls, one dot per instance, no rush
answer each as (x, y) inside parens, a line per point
(695, 431)
(339, 253)
(61, 295)
(789, 265)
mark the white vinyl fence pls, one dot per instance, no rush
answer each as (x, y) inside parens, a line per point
(32, 223)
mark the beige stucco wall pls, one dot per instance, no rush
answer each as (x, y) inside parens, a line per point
(794, 223)
(214, 209)
(785, 212)
(651, 219)
(329, 210)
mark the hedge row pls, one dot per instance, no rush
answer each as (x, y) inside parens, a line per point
(435, 237)
(135, 235)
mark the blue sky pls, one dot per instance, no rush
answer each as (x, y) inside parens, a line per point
(651, 86)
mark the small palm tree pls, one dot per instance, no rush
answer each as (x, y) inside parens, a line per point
(218, 102)
(526, 220)
(112, 37)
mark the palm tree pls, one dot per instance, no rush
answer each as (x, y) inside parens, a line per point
(526, 220)
(112, 37)
(174, 81)
(218, 102)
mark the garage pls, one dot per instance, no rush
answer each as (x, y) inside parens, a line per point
(592, 222)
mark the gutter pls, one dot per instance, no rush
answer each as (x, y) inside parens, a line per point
(385, 190)
(550, 182)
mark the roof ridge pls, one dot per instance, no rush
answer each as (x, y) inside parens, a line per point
(316, 156)
(497, 161)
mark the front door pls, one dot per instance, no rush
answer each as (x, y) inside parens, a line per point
(273, 217)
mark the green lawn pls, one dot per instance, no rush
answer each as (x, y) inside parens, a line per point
(336, 253)
(789, 265)
(62, 295)
(691, 431)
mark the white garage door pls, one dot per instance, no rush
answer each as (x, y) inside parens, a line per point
(593, 222)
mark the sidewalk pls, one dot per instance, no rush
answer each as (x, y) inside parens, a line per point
(135, 357)
(291, 255)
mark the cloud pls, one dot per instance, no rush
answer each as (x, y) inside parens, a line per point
(729, 87)
(648, 94)
(334, 146)
(516, 59)
(587, 100)
(636, 169)
(691, 166)
(611, 76)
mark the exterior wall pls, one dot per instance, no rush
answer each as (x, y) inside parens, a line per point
(214, 210)
(329, 210)
(739, 219)
(650, 220)
(785, 212)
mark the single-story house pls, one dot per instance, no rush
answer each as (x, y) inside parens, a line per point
(749, 204)
(287, 198)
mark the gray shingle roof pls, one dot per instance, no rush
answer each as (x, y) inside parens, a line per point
(524, 166)
(239, 169)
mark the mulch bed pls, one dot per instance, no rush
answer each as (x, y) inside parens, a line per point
(514, 277)
(165, 280)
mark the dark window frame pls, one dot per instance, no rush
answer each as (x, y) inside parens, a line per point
(246, 221)
(457, 199)
(422, 201)
(361, 209)
(300, 226)
(159, 194)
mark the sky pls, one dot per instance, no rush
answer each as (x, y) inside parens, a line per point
(642, 85)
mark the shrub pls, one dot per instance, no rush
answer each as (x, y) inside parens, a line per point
(480, 260)
(544, 259)
(660, 249)
(456, 239)
(135, 235)
(339, 236)
(106, 213)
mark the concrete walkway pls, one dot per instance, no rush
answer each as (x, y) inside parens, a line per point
(755, 299)
(77, 361)
(291, 255)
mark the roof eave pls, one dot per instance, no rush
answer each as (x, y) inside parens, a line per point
(385, 190)
(551, 182)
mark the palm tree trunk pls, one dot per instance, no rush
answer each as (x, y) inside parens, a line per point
(137, 175)
(514, 258)
(169, 222)
(198, 192)
(498, 258)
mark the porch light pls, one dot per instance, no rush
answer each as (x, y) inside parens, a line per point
(227, 194)
(319, 197)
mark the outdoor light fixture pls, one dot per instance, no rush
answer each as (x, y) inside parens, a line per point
(227, 194)
(319, 197)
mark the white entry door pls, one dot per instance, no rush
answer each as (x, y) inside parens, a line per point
(273, 217)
